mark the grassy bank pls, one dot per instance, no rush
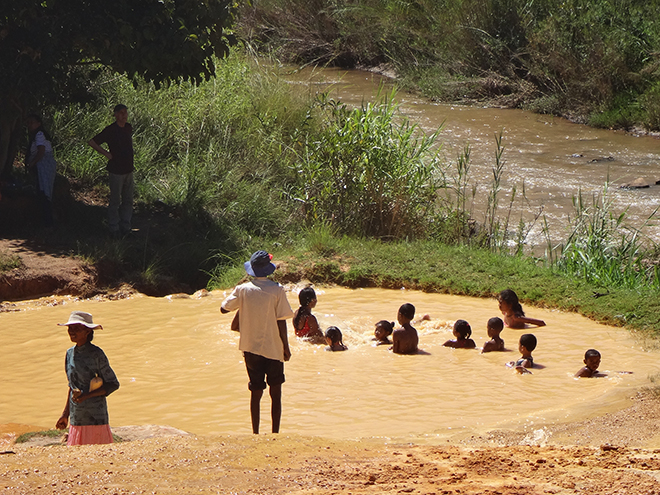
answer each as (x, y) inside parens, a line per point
(593, 60)
(435, 267)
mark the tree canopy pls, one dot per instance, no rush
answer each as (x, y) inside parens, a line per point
(50, 48)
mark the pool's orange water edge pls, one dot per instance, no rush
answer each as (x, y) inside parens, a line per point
(179, 364)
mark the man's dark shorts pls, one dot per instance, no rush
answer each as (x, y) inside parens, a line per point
(259, 367)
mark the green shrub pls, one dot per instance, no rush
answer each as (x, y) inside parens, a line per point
(368, 172)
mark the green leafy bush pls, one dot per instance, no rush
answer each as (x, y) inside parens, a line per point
(369, 172)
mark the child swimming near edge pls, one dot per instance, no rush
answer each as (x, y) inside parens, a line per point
(514, 316)
(405, 339)
(305, 323)
(526, 345)
(462, 332)
(494, 327)
(382, 331)
(334, 339)
(592, 362)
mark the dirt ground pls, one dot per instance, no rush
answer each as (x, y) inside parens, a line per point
(43, 273)
(604, 455)
(269, 464)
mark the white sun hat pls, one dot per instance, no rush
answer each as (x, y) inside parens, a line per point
(81, 318)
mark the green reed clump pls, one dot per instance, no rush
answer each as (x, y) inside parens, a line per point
(456, 220)
(369, 172)
(602, 250)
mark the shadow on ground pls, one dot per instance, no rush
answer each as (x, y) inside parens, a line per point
(168, 251)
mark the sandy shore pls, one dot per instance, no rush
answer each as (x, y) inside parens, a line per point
(612, 454)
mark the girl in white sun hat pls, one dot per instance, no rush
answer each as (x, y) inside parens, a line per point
(91, 379)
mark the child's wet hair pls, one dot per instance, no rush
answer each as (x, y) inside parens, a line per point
(407, 310)
(463, 329)
(528, 341)
(511, 298)
(334, 334)
(496, 324)
(591, 353)
(388, 326)
(306, 296)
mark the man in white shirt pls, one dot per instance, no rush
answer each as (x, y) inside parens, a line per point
(262, 312)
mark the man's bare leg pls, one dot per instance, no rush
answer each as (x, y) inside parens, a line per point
(255, 404)
(276, 406)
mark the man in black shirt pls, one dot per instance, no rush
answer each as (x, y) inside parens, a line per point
(119, 138)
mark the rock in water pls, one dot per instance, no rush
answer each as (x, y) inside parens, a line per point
(639, 183)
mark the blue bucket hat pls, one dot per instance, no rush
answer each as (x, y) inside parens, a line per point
(259, 264)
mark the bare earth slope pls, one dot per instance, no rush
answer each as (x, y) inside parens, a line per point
(43, 273)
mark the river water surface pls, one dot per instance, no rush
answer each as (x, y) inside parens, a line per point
(179, 364)
(552, 158)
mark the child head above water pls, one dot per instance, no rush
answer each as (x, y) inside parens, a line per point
(494, 327)
(591, 362)
(306, 296)
(406, 313)
(527, 343)
(509, 302)
(383, 330)
(462, 329)
(334, 339)
(592, 359)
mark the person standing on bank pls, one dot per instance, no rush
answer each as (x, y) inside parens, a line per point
(262, 311)
(40, 158)
(119, 138)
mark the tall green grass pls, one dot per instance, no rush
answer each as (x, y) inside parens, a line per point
(368, 172)
(602, 250)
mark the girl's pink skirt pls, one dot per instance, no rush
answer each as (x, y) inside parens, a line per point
(89, 435)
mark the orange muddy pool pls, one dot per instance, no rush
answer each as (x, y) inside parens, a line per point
(179, 364)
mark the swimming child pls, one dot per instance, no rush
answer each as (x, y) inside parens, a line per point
(494, 328)
(405, 339)
(305, 323)
(526, 345)
(514, 316)
(592, 362)
(462, 332)
(334, 339)
(383, 330)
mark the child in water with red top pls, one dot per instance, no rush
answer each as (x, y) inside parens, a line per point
(514, 316)
(462, 332)
(305, 323)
